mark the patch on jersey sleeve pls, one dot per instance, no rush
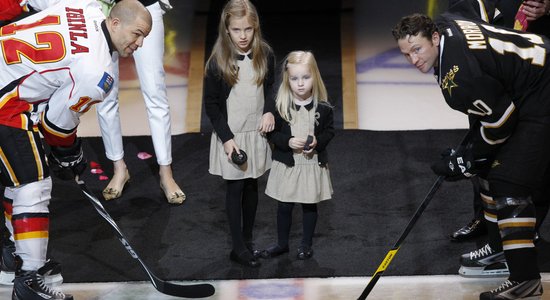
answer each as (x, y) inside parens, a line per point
(106, 82)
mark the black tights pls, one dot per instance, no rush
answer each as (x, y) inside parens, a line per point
(284, 221)
(241, 203)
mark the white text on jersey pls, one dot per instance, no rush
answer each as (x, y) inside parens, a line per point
(474, 36)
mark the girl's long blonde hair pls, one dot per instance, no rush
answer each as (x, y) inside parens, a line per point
(285, 97)
(224, 51)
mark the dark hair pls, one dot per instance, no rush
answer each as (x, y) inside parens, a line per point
(412, 25)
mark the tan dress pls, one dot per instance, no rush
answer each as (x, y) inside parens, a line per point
(306, 182)
(245, 106)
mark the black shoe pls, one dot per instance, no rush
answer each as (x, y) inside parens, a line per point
(255, 252)
(474, 229)
(245, 259)
(305, 252)
(273, 251)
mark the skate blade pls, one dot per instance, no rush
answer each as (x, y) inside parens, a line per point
(53, 280)
(6, 278)
(533, 298)
(482, 272)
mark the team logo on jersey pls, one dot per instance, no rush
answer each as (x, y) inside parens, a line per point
(106, 82)
(448, 82)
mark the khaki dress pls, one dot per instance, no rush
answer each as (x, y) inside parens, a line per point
(306, 181)
(245, 106)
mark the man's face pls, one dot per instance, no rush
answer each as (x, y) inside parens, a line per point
(127, 37)
(420, 51)
(241, 32)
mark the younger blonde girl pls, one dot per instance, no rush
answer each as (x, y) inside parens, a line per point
(300, 173)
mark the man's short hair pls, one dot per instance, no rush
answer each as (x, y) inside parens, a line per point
(412, 25)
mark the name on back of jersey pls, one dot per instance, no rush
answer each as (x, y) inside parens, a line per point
(474, 36)
(77, 29)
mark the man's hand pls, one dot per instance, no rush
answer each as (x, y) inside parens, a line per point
(534, 9)
(67, 162)
(455, 165)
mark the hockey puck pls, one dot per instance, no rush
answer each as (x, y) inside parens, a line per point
(309, 140)
(239, 158)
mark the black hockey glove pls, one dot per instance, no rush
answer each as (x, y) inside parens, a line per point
(67, 162)
(456, 165)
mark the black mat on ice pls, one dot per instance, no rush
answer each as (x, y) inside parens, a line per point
(379, 180)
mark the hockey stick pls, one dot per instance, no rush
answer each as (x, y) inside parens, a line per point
(202, 290)
(393, 251)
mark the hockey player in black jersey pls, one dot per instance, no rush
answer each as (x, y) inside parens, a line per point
(500, 78)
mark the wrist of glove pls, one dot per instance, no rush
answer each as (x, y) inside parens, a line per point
(455, 165)
(67, 162)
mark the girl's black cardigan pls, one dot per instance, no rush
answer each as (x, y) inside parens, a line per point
(324, 132)
(216, 91)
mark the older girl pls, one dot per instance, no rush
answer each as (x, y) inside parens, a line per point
(239, 102)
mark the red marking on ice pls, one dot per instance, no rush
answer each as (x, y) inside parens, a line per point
(96, 171)
(95, 165)
(144, 155)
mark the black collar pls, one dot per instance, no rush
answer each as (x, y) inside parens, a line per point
(108, 37)
(241, 57)
(308, 106)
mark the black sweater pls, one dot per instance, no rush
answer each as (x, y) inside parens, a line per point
(324, 132)
(216, 91)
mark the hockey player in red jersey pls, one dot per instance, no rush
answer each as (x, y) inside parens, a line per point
(500, 78)
(55, 65)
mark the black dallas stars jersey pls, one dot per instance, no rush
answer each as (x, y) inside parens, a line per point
(54, 66)
(490, 73)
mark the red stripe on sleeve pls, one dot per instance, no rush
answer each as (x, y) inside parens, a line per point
(30, 224)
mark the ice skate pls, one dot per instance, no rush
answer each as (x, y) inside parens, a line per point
(512, 290)
(51, 270)
(30, 285)
(484, 262)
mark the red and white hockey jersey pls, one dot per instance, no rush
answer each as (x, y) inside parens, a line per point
(55, 65)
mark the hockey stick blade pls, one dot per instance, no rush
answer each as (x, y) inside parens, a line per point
(393, 251)
(201, 290)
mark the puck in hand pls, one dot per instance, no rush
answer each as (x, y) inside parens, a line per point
(237, 158)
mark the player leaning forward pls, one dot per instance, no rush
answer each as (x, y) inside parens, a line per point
(501, 79)
(55, 65)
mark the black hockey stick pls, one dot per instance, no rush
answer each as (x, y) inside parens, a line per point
(201, 290)
(393, 251)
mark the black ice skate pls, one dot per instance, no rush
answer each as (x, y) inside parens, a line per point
(51, 270)
(512, 290)
(30, 285)
(484, 262)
